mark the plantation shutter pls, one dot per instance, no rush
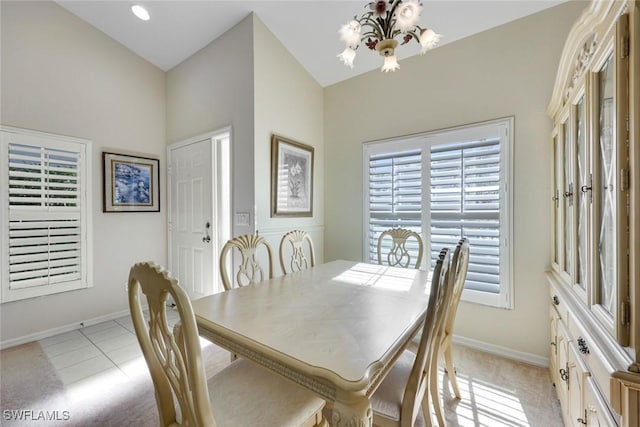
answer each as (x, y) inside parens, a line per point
(465, 201)
(395, 197)
(46, 229)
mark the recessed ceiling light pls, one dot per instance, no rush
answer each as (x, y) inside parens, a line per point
(140, 12)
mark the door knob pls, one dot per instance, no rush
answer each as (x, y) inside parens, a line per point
(207, 237)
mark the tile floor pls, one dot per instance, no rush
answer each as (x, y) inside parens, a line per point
(109, 347)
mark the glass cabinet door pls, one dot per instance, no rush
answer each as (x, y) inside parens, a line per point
(583, 195)
(568, 201)
(605, 194)
(557, 185)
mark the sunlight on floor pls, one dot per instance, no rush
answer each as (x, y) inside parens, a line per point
(97, 385)
(484, 404)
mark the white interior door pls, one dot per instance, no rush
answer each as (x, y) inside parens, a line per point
(199, 183)
(191, 234)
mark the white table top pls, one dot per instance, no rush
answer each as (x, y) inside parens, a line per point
(342, 321)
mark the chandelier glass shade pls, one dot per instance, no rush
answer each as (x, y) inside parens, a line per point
(378, 28)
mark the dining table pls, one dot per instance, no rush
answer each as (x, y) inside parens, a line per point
(335, 328)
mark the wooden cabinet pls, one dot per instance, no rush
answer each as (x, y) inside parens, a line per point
(595, 264)
(596, 409)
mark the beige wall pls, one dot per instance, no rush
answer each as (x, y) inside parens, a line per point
(213, 89)
(289, 103)
(60, 75)
(506, 71)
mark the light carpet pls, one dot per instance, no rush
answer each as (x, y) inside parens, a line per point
(496, 392)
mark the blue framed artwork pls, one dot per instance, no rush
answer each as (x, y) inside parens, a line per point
(131, 183)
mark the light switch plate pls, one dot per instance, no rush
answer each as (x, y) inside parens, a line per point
(242, 218)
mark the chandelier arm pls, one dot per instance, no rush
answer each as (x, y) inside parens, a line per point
(369, 33)
(376, 30)
(413, 34)
(391, 22)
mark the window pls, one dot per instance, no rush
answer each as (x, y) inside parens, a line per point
(45, 230)
(445, 185)
(395, 198)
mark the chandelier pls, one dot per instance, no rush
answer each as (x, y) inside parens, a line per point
(380, 25)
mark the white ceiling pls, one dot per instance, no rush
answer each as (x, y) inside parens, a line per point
(308, 29)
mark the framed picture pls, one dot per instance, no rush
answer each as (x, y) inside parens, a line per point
(131, 183)
(291, 178)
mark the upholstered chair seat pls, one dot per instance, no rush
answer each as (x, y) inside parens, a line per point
(247, 395)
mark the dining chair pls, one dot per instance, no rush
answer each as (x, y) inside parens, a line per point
(398, 255)
(406, 388)
(242, 394)
(459, 267)
(298, 260)
(250, 271)
(458, 272)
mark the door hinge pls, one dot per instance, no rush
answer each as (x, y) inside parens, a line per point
(625, 314)
(624, 179)
(624, 53)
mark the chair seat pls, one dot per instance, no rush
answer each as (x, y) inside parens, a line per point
(244, 394)
(387, 400)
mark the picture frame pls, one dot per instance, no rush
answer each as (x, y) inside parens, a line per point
(291, 178)
(130, 183)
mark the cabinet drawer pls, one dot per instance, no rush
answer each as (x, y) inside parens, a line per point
(592, 357)
(597, 412)
(558, 304)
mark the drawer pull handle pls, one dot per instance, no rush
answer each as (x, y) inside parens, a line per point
(582, 346)
(556, 300)
(583, 420)
(564, 374)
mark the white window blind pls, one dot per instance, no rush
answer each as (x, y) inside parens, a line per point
(395, 198)
(446, 185)
(45, 250)
(465, 201)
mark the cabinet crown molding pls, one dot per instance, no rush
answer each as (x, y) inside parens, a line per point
(581, 44)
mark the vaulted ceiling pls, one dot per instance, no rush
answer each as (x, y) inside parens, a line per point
(308, 29)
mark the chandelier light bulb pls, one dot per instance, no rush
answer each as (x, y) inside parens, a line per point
(347, 56)
(350, 33)
(390, 64)
(428, 39)
(408, 14)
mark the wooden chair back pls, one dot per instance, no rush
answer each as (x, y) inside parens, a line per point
(419, 380)
(298, 260)
(249, 271)
(459, 268)
(173, 356)
(398, 255)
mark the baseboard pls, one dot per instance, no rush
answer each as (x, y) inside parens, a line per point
(61, 329)
(509, 353)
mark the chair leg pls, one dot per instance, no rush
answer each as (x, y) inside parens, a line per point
(426, 409)
(451, 371)
(435, 396)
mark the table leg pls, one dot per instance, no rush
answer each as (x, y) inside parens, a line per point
(356, 413)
